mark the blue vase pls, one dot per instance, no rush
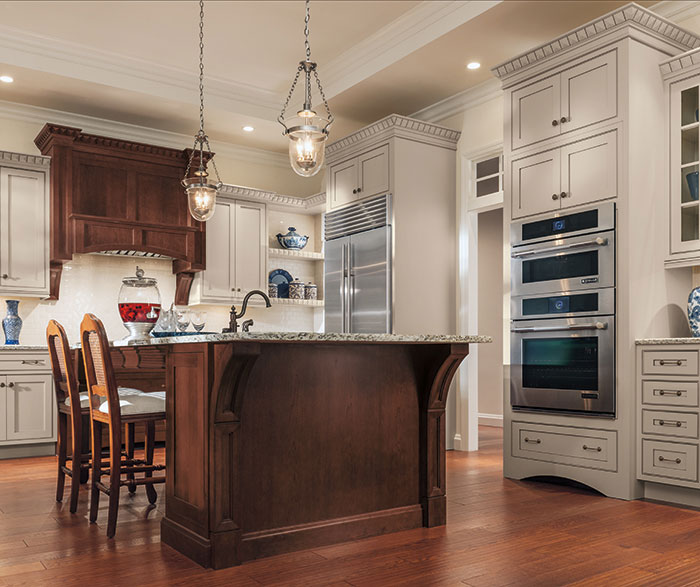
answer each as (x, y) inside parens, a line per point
(694, 311)
(12, 323)
(692, 180)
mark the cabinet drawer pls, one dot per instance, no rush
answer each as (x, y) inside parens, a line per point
(682, 424)
(670, 459)
(18, 361)
(670, 362)
(670, 393)
(596, 449)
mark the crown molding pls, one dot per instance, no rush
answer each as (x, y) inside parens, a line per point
(680, 63)
(677, 10)
(272, 198)
(73, 60)
(131, 132)
(630, 14)
(469, 98)
(401, 37)
(35, 161)
(402, 126)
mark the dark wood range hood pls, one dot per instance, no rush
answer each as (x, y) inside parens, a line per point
(108, 194)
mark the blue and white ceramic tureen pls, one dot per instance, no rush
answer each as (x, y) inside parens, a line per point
(292, 240)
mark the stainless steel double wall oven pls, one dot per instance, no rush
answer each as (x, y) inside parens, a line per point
(563, 312)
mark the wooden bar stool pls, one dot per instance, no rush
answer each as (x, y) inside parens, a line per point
(108, 406)
(72, 405)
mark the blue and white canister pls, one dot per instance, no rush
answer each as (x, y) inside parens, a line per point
(12, 323)
(694, 311)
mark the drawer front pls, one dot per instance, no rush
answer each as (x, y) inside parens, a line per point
(670, 460)
(16, 361)
(670, 362)
(660, 423)
(670, 393)
(595, 449)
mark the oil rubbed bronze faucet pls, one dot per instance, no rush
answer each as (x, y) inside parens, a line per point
(233, 316)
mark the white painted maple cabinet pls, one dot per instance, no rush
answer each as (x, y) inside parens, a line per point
(359, 177)
(236, 257)
(24, 225)
(585, 122)
(27, 404)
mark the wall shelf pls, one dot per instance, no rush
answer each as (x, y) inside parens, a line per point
(291, 302)
(289, 254)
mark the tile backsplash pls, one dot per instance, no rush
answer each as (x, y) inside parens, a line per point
(90, 283)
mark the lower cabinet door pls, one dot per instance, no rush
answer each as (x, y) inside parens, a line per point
(3, 412)
(30, 403)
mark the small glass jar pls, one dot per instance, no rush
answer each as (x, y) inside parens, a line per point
(139, 305)
(296, 290)
(311, 291)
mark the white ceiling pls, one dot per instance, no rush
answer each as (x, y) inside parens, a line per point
(136, 62)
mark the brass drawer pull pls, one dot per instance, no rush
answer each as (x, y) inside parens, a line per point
(535, 441)
(675, 423)
(32, 362)
(594, 448)
(677, 362)
(678, 392)
(662, 459)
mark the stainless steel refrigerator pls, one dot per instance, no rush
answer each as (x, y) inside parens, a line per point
(357, 280)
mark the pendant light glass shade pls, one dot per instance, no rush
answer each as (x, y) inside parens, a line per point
(307, 132)
(201, 195)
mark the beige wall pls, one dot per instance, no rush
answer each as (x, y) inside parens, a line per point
(90, 283)
(490, 275)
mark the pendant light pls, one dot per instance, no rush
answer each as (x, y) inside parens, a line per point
(201, 194)
(307, 132)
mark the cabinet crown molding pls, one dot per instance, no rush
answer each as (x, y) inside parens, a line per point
(685, 62)
(403, 126)
(34, 161)
(630, 14)
(268, 197)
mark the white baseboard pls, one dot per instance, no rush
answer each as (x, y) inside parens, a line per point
(491, 420)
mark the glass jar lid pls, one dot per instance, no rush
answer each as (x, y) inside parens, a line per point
(139, 280)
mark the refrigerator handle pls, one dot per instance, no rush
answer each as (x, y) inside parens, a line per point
(344, 292)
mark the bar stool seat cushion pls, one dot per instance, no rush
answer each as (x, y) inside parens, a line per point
(123, 391)
(134, 401)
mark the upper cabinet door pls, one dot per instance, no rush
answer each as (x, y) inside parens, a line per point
(589, 170)
(250, 247)
(30, 401)
(535, 112)
(535, 184)
(374, 172)
(589, 92)
(24, 232)
(218, 279)
(344, 182)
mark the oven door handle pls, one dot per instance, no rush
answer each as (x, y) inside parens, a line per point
(592, 326)
(599, 241)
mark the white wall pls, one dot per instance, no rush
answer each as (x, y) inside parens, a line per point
(90, 283)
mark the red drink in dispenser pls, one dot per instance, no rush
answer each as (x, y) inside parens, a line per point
(139, 305)
(133, 312)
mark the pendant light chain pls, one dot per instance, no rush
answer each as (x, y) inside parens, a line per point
(306, 32)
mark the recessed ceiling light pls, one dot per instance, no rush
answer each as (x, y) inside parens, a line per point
(248, 128)
(6, 78)
(473, 65)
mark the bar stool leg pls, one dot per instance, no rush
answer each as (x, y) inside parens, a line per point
(129, 428)
(76, 465)
(61, 449)
(115, 465)
(151, 492)
(96, 466)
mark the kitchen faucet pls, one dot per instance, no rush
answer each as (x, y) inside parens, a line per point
(233, 316)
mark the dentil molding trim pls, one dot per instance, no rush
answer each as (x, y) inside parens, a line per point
(630, 13)
(273, 198)
(678, 63)
(402, 125)
(131, 132)
(39, 161)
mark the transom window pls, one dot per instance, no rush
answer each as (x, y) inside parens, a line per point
(487, 175)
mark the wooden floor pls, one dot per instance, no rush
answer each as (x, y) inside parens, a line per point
(499, 532)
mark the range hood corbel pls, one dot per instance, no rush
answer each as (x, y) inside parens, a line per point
(109, 194)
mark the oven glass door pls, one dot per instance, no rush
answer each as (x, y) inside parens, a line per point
(584, 262)
(564, 365)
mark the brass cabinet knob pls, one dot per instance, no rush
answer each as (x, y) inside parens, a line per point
(555, 122)
(5, 276)
(564, 119)
(563, 195)
(2, 385)
(555, 197)
(10, 384)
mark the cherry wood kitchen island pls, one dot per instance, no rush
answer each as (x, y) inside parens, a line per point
(284, 441)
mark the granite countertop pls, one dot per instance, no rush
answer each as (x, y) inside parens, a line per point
(24, 347)
(641, 341)
(309, 337)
